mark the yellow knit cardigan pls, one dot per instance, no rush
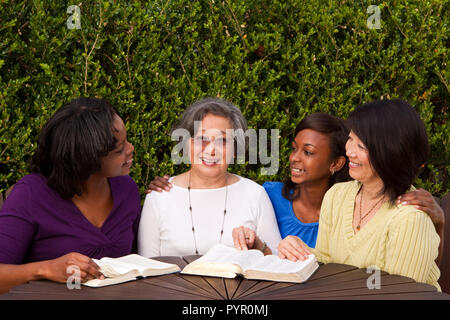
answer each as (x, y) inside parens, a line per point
(398, 239)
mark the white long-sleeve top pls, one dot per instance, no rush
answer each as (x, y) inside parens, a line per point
(165, 228)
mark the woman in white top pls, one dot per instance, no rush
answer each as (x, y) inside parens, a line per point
(207, 202)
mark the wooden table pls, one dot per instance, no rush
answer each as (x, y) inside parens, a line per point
(331, 281)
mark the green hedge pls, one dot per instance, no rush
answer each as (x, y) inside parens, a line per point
(277, 60)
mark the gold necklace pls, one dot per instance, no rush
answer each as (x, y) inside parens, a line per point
(190, 211)
(360, 209)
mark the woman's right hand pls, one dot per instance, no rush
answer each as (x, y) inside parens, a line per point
(59, 269)
(159, 184)
(244, 238)
(293, 248)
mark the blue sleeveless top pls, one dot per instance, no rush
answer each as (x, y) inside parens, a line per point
(288, 223)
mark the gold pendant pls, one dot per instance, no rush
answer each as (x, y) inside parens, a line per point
(358, 227)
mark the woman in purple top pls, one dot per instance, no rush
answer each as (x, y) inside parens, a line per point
(79, 203)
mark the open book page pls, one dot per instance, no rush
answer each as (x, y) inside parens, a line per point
(222, 261)
(127, 268)
(142, 264)
(276, 269)
(114, 271)
(229, 255)
(112, 267)
(130, 276)
(272, 263)
(227, 262)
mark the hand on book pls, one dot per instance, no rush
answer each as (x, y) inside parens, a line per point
(293, 248)
(129, 268)
(57, 269)
(244, 238)
(227, 262)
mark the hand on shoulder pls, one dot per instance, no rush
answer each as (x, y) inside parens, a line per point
(159, 184)
(424, 201)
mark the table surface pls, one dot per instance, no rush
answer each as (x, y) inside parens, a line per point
(331, 281)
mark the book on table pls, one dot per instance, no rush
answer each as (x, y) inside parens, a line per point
(228, 262)
(129, 268)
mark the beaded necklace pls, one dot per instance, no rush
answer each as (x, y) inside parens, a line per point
(365, 215)
(190, 211)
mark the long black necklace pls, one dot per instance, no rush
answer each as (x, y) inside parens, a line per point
(224, 211)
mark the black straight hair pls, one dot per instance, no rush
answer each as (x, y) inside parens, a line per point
(72, 142)
(337, 133)
(396, 140)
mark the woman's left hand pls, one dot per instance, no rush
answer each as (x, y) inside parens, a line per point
(293, 248)
(244, 238)
(424, 201)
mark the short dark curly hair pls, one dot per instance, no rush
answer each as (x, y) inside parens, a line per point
(72, 142)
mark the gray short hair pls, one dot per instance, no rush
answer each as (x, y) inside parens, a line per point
(219, 107)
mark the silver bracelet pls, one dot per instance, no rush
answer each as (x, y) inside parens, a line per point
(264, 247)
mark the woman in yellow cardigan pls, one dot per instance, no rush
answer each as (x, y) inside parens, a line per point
(360, 223)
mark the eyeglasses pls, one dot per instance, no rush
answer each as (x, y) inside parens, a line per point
(204, 141)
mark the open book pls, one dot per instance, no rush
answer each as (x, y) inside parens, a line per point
(228, 262)
(128, 268)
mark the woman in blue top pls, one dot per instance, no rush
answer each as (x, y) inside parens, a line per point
(317, 161)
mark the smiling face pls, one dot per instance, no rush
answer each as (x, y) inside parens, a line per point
(310, 159)
(118, 162)
(360, 167)
(210, 146)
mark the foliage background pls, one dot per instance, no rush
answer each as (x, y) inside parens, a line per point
(277, 60)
